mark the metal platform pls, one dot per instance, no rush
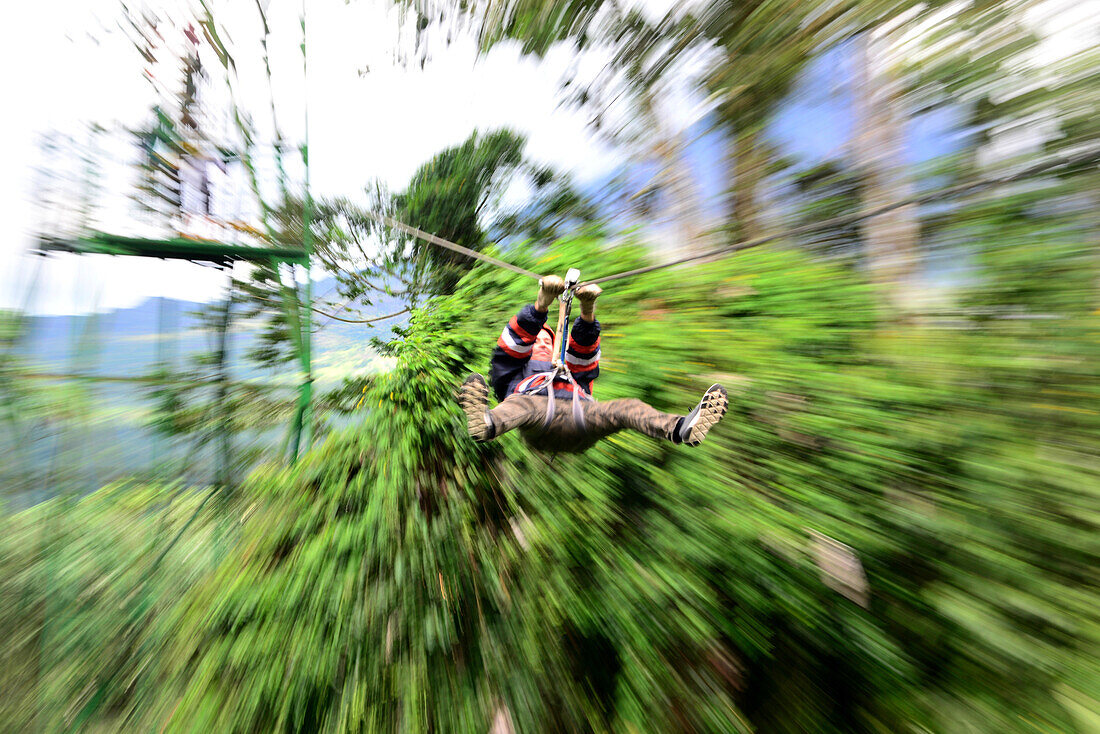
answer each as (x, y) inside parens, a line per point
(179, 248)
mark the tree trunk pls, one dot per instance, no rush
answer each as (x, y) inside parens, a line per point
(748, 173)
(892, 239)
(684, 206)
(681, 209)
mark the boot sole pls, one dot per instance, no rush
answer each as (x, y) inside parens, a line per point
(473, 397)
(714, 404)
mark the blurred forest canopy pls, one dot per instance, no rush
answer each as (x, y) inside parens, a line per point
(1016, 92)
(402, 578)
(894, 529)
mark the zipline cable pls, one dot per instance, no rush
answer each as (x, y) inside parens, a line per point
(440, 242)
(1088, 156)
(328, 315)
(1091, 155)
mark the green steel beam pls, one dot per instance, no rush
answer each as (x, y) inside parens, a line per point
(225, 439)
(145, 380)
(303, 434)
(178, 248)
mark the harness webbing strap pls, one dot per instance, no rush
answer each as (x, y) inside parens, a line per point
(532, 386)
(528, 386)
(578, 413)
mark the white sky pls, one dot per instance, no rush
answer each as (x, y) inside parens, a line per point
(65, 66)
(62, 68)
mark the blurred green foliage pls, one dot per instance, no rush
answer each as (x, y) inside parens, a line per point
(402, 578)
(86, 589)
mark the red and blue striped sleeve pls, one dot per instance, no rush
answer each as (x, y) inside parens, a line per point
(582, 353)
(513, 349)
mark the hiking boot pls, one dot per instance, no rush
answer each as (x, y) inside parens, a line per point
(693, 427)
(473, 396)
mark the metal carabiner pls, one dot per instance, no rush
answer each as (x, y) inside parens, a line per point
(565, 306)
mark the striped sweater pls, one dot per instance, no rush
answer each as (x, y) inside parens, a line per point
(511, 362)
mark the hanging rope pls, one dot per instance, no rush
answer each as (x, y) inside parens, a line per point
(440, 242)
(340, 318)
(361, 321)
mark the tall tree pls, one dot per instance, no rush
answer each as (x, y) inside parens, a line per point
(457, 195)
(762, 47)
(449, 195)
(878, 150)
(752, 51)
(828, 190)
(625, 100)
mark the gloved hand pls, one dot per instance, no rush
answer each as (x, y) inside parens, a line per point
(587, 295)
(550, 287)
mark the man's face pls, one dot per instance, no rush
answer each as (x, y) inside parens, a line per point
(543, 350)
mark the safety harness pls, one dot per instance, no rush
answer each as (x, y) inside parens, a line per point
(533, 385)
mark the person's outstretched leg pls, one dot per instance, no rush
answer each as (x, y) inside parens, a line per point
(603, 419)
(516, 411)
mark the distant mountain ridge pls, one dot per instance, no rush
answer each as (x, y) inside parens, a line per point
(131, 342)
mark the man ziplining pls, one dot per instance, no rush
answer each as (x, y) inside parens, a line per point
(524, 355)
(521, 367)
